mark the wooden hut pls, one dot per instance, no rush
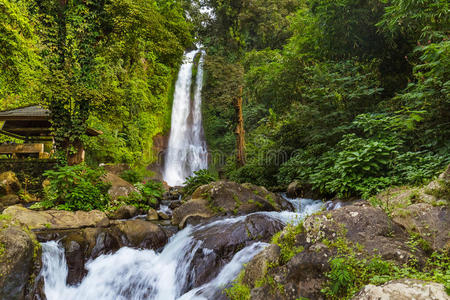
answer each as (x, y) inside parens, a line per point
(31, 125)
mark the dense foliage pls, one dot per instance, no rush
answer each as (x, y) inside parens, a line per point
(108, 64)
(352, 99)
(199, 178)
(75, 188)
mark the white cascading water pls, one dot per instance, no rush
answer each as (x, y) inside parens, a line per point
(187, 151)
(132, 274)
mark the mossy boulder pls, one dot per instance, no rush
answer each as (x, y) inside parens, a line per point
(227, 198)
(19, 260)
(368, 231)
(56, 219)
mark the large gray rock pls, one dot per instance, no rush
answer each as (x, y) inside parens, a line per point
(227, 198)
(19, 260)
(221, 240)
(403, 289)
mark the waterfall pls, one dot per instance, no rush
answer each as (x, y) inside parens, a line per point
(133, 274)
(187, 151)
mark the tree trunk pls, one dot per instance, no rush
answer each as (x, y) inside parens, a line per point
(240, 132)
(77, 157)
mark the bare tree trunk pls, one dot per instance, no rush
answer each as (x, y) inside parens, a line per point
(240, 132)
(77, 157)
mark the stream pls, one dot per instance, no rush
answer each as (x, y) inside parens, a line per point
(135, 274)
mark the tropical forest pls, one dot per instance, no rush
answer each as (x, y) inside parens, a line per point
(224, 149)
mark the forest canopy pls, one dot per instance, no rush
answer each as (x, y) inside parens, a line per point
(348, 97)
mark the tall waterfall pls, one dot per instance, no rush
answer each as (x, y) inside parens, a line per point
(187, 151)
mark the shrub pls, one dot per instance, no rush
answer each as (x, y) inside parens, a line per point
(76, 188)
(199, 178)
(132, 176)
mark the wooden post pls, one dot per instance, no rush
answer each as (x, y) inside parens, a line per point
(240, 132)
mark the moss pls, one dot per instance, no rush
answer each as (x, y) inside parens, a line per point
(238, 291)
(270, 199)
(286, 240)
(2, 250)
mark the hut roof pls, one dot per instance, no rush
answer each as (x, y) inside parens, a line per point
(35, 112)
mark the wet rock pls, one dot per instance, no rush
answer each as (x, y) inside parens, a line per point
(57, 219)
(404, 289)
(221, 240)
(228, 198)
(19, 260)
(124, 212)
(152, 215)
(142, 234)
(258, 266)
(82, 245)
(9, 183)
(119, 187)
(194, 208)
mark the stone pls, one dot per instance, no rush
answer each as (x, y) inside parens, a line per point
(258, 266)
(294, 189)
(56, 219)
(228, 198)
(124, 212)
(9, 200)
(119, 187)
(194, 208)
(303, 276)
(430, 222)
(404, 289)
(9, 183)
(19, 260)
(152, 215)
(221, 240)
(142, 234)
(163, 215)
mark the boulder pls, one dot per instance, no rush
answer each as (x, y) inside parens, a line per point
(215, 252)
(57, 219)
(404, 289)
(124, 212)
(195, 208)
(163, 215)
(9, 200)
(19, 260)
(142, 234)
(304, 274)
(228, 198)
(9, 183)
(152, 215)
(432, 223)
(116, 169)
(258, 266)
(119, 187)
